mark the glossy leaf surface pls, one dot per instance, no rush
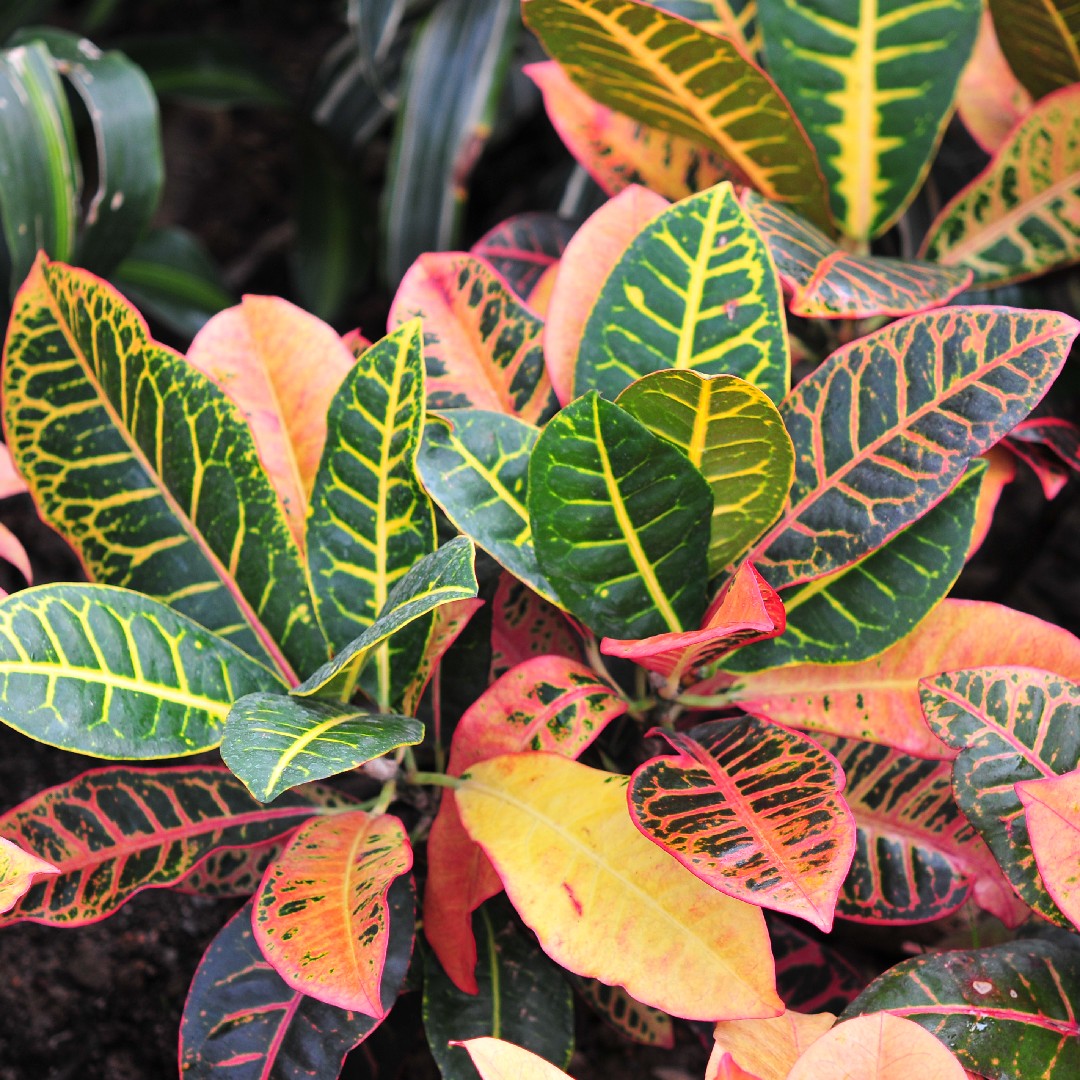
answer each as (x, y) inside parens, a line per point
(475, 465)
(1052, 813)
(1041, 40)
(275, 741)
(114, 674)
(675, 76)
(112, 832)
(1008, 1010)
(524, 626)
(825, 282)
(873, 84)
(635, 564)
(582, 877)
(18, 868)
(886, 426)
(1017, 218)
(736, 439)
(769, 1047)
(322, 917)
(481, 344)
(523, 247)
(1010, 724)
(695, 289)
(243, 1021)
(189, 518)
(752, 809)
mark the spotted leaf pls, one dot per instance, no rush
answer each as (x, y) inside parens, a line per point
(524, 625)
(525, 246)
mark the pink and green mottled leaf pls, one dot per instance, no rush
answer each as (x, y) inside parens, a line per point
(1018, 217)
(1052, 812)
(18, 868)
(824, 281)
(547, 703)
(321, 917)
(1010, 724)
(885, 427)
(230, 873)
(482, 345)
(1051, 447)
(524, 626)
(1009, 1010)
(113, 832)
(641, 1024)
(752, 809)
(165, 493)
(917, 858)
(525, 246)
(676, 76)
(1041, 41)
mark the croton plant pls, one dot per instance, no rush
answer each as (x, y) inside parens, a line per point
(578, 594)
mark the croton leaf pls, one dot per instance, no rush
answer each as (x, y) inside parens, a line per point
(547, 703)
(281, 366)
(521, 996)
(635, 564)
(448, 621)
(1052, 812)
(769, 1047)
(878, 699)
(618, 150)
(826, 282)
(585, 879)
(241, 1019)
(1010, 724)
(114, 674)
(275, 741)
(641, 1024)
(114, 831)
(725, 1067)
(811, 976)
(444, 576)
(475, 465)
(858, 612)
(166, 494)
(321, 916)
(589, 257)
(734, 19)
(752, 809)
(1051, 447)
(676, 76)
(1007, 1010)
(873, 84)
(523, 247)
(1041, 41)
(18, 868)
(524, 625)
(1017, 218)
(886, 426)
(496, 1059)
(917, 858)
(733, 434)
(695, 288)
(370, 519)
(481, 344)
(228, 873)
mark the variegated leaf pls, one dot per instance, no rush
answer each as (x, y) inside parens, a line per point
(18, 868)
(1041, 41)
(448, 621)
(523, 247)
(1052, 812)
(695, 289)
(524, 626)
(641, 1024)
(734, 19)
(811, 976)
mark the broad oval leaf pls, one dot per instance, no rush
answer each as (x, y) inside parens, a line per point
(475, 465)
(482, 345)
(673, 75)
(243, 1020)
(767, 1048)
(114, 674)
(166, 494)
(1010, 724)
(1052, 812)
(275, 741)
(695, 289)
(752, 809)
(521, 995)
(1041, 41)
(878, 699)
(1009, 1010)
(496, 1059)
(584, 879)
(886, 426)
(873, 85)
(733, 434)
(114, 831)
(635, 563)
(18, 868)
(826, 282)
(321, 916)
(522, 248)
(1017, 218)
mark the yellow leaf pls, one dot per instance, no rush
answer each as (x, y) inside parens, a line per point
(768, 1048)
(498, 1060)
(607, 903)
(18, 869)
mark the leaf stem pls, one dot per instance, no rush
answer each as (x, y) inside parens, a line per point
(386, 797)
(436, 779)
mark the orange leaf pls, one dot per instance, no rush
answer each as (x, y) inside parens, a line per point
(18, 869)
(1001, 470)
(1052, 809)
(878, 699)
(879, 1046)
(724, 1068)
(607, 903)
(498, 1060)
(281, 366)
(768, 1048)
(588, 259)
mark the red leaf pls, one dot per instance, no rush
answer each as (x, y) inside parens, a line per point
(524, 626)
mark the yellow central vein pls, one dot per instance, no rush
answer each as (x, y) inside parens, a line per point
(299, 745)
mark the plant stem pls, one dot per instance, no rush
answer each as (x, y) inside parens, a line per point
(436, 779)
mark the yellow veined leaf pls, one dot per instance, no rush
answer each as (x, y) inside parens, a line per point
(607, 903)
(18, 869)
(769, 1047)
(498, 1060)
